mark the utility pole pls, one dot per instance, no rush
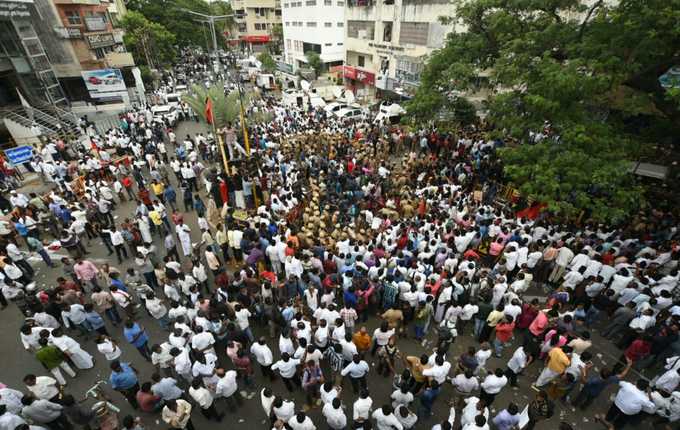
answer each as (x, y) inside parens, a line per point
(210, 19)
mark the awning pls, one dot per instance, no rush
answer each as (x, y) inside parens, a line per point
(256, 39)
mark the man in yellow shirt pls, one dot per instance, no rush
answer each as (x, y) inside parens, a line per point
(558, 361)
(158, 189)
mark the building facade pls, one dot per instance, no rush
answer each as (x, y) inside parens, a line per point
(314, 25)
(46, 44)
(89, 26)
(255, 22)
(387, 43)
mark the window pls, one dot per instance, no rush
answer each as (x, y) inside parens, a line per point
(288, 44)
(285, 5)
(258, 26)
(310, 2)
(341, 24)
(340, 43)
(387, 31)
(328, 2)
(414, 33)
(311, 24)
(287, 24)
(341, 3)
(277, 12)
(328, 24)
(73, 17)
(361, 29)
(328, 44)
(361, 61)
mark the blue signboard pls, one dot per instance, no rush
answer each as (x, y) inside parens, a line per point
(19, 155)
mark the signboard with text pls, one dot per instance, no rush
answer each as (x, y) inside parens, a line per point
(357, 74)
(100, 40)
(16, 9)
(19, 155)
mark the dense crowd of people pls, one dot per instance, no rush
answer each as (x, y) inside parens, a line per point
(344, 242)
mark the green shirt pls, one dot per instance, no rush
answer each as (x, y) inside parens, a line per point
(50, 356)
(34, 243)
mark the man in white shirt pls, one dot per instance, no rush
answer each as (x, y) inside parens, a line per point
(516, 365)
(385, 419)
(287, 368)
(335, 416)
(440, 371)
(357, 371)
(362, 407)
(492, 385)
(203, 341)
(42, 387)
(227, 387)
(630, 400)
(205, 400)
(301, 422)
(283, 409)
(264, 357)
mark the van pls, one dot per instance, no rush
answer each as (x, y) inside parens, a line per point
(265, 81)
(389, 113)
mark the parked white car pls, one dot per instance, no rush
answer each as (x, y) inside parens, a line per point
(334, 107)
(165, 112)
(349, 113)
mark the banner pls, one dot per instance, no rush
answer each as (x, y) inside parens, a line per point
(19, 155)
(104, 82)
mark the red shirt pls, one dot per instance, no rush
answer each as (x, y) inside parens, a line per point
(527, 316)
(147, 401)
(637, 350)
(504, 331)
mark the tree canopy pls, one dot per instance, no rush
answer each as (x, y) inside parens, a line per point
(187, 28)
(150, 42)
(268, 63)
(583, 73)
(314, 61)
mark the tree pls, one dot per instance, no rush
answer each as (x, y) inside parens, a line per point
(226, 108)
(586, 76)
(150, 42)
(171, 14)
(314, 61)
(268, 63)
(277, 39)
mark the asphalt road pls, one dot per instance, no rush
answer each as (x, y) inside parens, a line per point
(19, 362)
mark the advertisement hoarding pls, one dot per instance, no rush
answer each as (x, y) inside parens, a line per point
(104, 82)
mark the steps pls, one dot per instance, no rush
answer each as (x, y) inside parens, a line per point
(51, 120)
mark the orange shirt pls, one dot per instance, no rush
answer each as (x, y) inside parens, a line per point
(362, 341)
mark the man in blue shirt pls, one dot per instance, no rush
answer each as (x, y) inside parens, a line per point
(136, 335)
(124, 379)
(427, 400)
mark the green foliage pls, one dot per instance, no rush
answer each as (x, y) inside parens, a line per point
(314, 61)
(277, 39)
(186, 28)
(268, 63)
(150, 42)
(590, 71)
(226, 108)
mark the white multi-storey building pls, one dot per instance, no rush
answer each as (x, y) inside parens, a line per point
(313, 25)
(388, 41)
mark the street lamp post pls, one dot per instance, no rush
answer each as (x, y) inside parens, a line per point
(210, 19)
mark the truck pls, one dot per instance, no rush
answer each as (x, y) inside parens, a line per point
(265, 81)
